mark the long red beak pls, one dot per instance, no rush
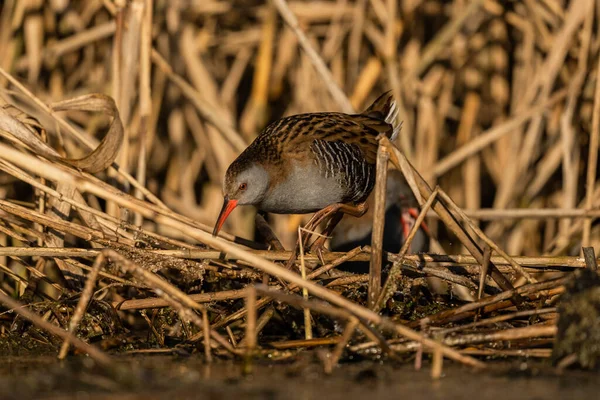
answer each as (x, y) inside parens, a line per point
(228, 206)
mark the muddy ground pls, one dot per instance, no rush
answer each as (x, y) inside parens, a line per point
(176, 377)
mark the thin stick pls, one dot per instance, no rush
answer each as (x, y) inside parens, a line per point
(156, 302)
(86, 295)
(509, 334)
(206, 328)
(337, 352)
(145, 98)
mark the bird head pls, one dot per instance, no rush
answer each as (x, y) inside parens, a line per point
(245, 183)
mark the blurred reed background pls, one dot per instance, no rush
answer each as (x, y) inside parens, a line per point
(499, 99)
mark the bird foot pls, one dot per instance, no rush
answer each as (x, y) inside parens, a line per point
(335, 213)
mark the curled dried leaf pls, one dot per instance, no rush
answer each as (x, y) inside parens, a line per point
(22, 128)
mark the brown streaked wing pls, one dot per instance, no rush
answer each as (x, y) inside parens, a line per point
(358, 130)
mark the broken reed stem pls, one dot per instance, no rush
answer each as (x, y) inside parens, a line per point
(590, 259)
(496, 319)
(437, 364)
(374, 287)
(250, 337)
(145, 99)
(492, 214)
(84, 300)
(485, 266)
(307, 318)
(156, 302)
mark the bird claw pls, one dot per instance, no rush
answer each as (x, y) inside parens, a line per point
(320, 252)
(318, 248)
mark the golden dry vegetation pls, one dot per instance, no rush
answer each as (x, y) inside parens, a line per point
(500, 104)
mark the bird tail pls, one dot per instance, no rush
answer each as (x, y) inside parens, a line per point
(386, 109)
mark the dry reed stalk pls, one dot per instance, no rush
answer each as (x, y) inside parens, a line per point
(522, 290)
(149, 303)
(499, 318)
(510, 334)
(378, 224)
(334, 258)
(592, 159)
(308, 334)
(250, 337)
(590, 258)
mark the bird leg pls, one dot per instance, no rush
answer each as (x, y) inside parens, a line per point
(319, 245)
(356, 211)
(334, 212)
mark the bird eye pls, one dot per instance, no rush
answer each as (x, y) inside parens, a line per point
(243, 186)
